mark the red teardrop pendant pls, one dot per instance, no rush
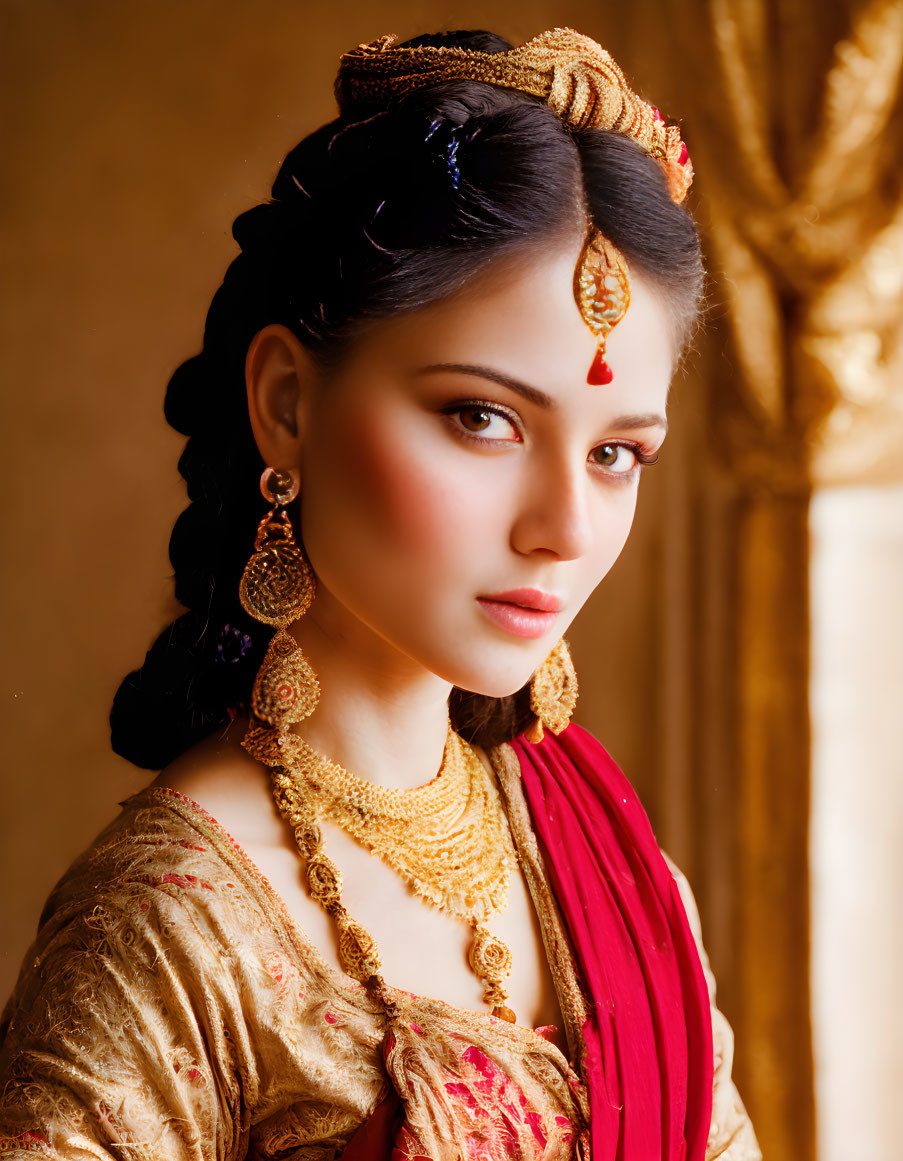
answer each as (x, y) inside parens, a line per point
(599, 372)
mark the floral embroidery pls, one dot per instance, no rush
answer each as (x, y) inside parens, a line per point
(185, 881)
(170, 995)
(492, 1106)
(284, 974)
(33, 1142)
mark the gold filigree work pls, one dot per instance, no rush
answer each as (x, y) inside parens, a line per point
(449, 840)
(602, 293)
(276, 588)
(553, 693)
(571, 72)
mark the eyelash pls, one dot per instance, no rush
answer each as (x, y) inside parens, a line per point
(643, 457)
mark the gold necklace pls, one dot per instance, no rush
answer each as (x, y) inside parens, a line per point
(448, 839)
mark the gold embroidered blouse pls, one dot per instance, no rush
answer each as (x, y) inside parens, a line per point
(170, 1008)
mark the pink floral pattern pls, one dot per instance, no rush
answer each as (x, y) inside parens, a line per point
(491, 1112)
(498, 1111)
(28, 1141)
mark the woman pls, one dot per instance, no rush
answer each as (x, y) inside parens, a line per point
(443, 358)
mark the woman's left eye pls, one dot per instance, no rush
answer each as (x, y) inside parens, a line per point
(620, 458)
(482, 422)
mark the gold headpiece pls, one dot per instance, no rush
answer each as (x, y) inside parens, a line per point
(582, 84)
(575, 76)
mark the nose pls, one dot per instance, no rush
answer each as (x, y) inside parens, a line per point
(554, 515)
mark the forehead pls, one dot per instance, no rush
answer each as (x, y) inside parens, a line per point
(520, 317)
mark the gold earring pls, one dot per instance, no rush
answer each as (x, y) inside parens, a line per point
(553, 693)
(277, 587)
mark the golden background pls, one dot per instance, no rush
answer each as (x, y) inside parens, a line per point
(134, 133)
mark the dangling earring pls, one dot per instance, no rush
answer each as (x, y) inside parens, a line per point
(553, 693)
(277, 588)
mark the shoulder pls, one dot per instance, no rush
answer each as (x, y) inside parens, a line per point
(229, 785)
(157, 864)
(163, 875)
(161, 904)
(573, 755)
(731, 1134)
(575, 769)
(156, 975)
(589, 814)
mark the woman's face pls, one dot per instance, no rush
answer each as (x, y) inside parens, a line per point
(459, 468)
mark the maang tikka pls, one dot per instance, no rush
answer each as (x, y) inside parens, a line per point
(276, 588)
(602, 292)
(553, 693)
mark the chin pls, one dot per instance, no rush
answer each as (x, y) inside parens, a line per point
(504, 686)
(484, 666)
(496, 693)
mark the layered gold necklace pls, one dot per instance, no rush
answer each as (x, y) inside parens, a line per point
(448, 839)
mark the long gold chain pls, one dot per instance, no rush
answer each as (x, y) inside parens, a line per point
(448, 839)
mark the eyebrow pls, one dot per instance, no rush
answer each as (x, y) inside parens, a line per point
(540, 398)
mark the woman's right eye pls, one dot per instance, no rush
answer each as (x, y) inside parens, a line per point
(483, 422)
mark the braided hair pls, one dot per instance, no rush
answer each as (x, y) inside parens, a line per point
(380, 211)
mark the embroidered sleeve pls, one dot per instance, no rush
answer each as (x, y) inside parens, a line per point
(121, 1037)
(731, 1136)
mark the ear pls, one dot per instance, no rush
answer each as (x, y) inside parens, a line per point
(280, 377)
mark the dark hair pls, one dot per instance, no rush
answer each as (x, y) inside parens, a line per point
(380, 211)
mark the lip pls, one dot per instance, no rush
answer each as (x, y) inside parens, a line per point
(527, 599)
(533, 619)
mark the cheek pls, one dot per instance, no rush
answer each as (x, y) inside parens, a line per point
(396, 489)
(613, 522)
(386, 482)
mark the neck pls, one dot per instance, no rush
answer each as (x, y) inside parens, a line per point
(380, 715)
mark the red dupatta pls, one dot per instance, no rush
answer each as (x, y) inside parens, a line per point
(648, 1066)
(649, 1042)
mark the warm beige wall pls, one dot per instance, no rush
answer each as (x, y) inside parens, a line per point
(133, 134)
